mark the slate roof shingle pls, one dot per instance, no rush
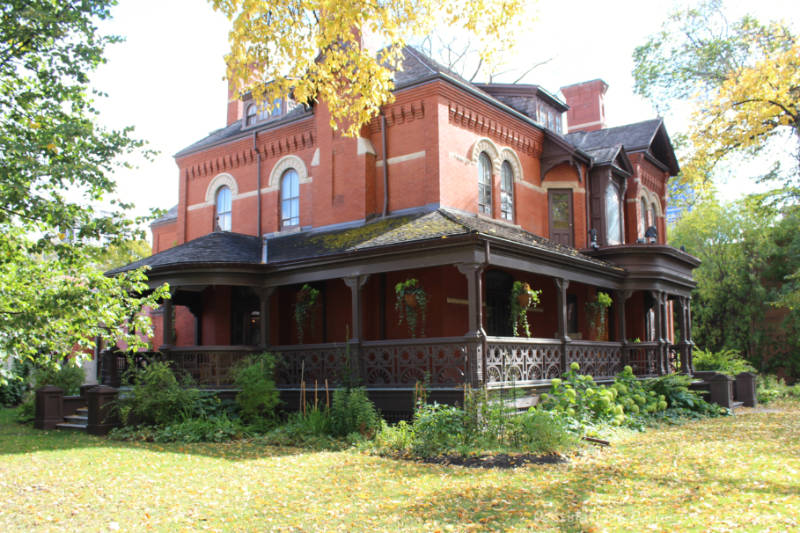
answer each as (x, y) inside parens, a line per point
(234, 248)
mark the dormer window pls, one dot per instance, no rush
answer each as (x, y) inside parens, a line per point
(613, 217)
(250, 116)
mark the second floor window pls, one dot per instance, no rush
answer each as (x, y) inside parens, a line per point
(251, 115)
(290, 199)
(223, 217)
(613, 222)
(643, 223)
(506, 192)
(484, 184)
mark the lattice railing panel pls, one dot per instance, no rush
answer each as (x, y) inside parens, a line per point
(519, 360)
(403, 363)
(598, 359)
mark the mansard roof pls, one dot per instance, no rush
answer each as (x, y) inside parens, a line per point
(222, 248)
(649, 136)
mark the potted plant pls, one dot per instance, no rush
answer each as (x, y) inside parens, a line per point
(597, 310)
(307, 298)
(522, 298)
(411, 303)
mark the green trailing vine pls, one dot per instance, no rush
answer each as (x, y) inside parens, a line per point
(598, 311)
(307, 298)
(522, 298)
(411, 303)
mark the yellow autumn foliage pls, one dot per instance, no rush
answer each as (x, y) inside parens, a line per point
(312, 48)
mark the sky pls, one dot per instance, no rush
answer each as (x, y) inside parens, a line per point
(166, 79)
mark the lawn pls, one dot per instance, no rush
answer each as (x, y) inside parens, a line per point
(735, 473)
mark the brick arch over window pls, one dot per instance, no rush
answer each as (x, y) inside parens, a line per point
(650, 199)
(221, 180)
(491, 150)
(284, 163)
(507, 154)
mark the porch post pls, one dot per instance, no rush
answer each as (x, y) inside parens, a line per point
(682, 345)
(688, 336)
(561, 303)
(658, 297)
(356, 283)
(621, 298)
(167, 324)
(476, 362)
(264, 295)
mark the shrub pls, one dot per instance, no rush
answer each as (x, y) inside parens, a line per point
(69, 377)
(674, 388)
(157, 397)
(14, 383)
(353, 412)
(540, 431)
(770, 388)
(213, 429)
(437, 429)
(398, 438)
(728, 362)
(258, 396)
(26, 411)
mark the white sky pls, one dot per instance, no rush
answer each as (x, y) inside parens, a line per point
(166, 78)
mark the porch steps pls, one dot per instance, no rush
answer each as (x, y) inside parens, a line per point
(79, 421)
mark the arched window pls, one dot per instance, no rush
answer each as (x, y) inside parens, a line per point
(250, 115)
(290, 199)
(506, 192)
(484, 184)
(653, 215)
(613, 222)
(223, 203)
(643, 224)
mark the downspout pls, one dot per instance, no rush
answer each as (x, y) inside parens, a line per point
(258, 184)
(588, 201)
(385, 168)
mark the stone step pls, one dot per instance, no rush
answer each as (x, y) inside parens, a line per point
(76, 419)
(82, 411)
(67, 425)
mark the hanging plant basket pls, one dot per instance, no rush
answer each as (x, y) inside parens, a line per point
(597, 312)
(522, 298)
(307, 297)
(411, 304)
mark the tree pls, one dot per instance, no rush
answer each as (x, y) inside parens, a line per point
(56, 162)
(314, 50)
(749, 250)
(742, 77)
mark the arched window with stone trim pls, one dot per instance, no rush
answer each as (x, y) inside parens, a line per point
(223, 206)
(484, 184)
(507, 192)
(290, 199)
(653, 215)
(613, 216)
(251, 115)
(643, 221)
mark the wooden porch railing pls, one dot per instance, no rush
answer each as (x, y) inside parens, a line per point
(441, 362)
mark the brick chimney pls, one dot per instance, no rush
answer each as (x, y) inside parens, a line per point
(235, 106)
(586, 109)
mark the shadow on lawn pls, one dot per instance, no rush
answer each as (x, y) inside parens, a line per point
(18, 438)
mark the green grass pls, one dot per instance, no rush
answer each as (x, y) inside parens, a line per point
(732, 473)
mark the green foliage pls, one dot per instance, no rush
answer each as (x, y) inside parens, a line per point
(352, 411)
(157, 398)
(674, 388)
(749, 251)
(522, 298)
(258, 396)
(411, 304)
(770, 388)
(26, 411)
(56, 163)
(597, 311)
(438, 429)
(307, 298)
(213, 429)
(68, 376)
(14, 383)
(728, 362)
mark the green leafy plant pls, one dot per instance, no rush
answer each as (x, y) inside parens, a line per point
(730, 362)
(522, 298)
(68, 376)
(770, 388)
(307, 298)
(213, 429)
(352, 411)
(14, 383)
(156, 397)
(597, 311)
(258, 396)
(411, 303)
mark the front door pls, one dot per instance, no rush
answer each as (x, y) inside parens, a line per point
(560, 208)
